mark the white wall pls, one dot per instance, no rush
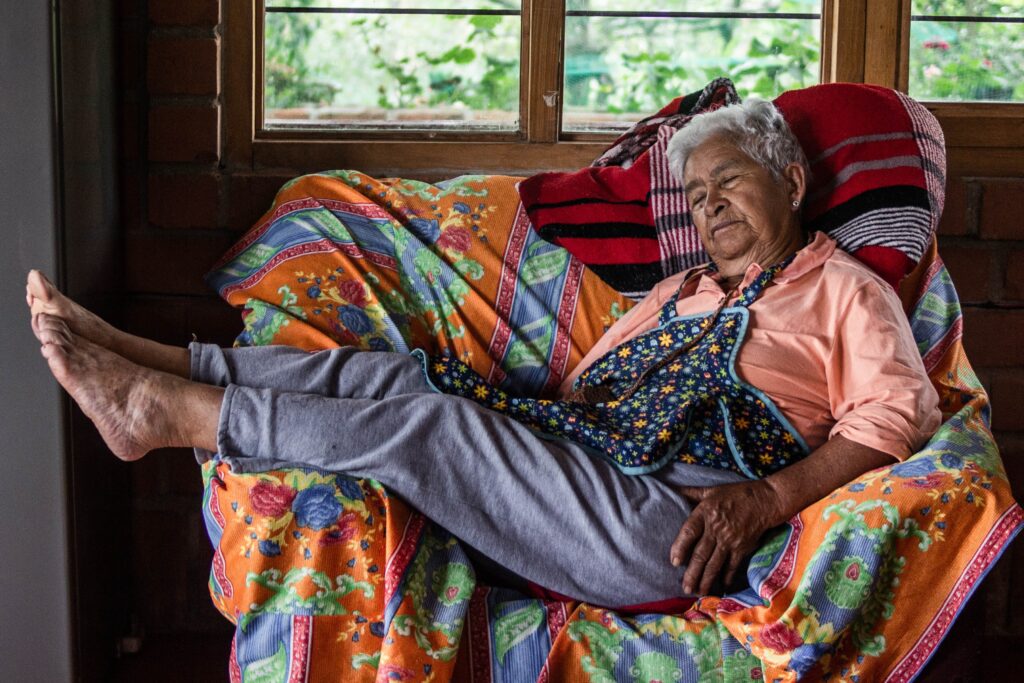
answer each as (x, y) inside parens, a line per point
(34, 604)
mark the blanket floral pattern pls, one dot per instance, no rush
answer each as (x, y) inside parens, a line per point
(328, 578)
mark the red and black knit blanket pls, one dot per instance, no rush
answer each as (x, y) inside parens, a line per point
(878, 174)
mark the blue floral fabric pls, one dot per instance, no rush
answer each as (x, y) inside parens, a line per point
(692, 407)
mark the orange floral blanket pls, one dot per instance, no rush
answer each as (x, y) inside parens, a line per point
(328, 578)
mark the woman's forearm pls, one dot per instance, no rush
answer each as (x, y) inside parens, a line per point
(837, 462)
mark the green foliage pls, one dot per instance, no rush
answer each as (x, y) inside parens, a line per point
(613, 65)
(967, 61)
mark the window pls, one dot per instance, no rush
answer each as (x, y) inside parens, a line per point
(967, 50)
(402, 65)
(398, 65)
(624, 59)
(430, 88)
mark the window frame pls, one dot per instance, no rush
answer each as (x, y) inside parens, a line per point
(863, 41)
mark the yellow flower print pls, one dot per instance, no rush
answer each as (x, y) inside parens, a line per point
(688, 459)
(665, 339)
(788, 438)
(743, 423)
(715, 348)
(439, 368)
(664, 435)
(614, 404)
(667, 389)
(501, 405)
(729, 323)
(765, 458)
(481, 391)
(719, 439)
(640, 424)
(675, 367)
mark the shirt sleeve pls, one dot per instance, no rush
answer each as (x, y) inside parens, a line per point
(879, 392)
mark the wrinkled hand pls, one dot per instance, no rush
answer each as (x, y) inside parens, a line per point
(724, 528)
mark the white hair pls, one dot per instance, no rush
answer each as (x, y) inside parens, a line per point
(756, 127)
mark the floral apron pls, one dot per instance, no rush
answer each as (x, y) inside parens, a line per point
(669, 394)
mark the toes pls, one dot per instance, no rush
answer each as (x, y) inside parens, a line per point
(38, 286)
(57, 358)
(50, 329)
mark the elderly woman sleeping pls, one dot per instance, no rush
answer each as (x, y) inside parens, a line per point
(743, 391)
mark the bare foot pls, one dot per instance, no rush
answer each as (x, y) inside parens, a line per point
(43, 297)
(135, 409)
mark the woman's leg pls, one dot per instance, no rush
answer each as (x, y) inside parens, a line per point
(136, 409)
(544, 509)
(339, 373)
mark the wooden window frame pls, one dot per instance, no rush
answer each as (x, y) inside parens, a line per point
(857, 38)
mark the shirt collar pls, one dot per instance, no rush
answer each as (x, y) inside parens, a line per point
(820, 248)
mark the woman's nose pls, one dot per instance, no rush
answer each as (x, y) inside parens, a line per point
(714, 203)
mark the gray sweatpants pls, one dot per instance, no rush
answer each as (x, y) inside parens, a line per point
(544, 509)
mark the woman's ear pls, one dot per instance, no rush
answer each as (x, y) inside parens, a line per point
(796, 182)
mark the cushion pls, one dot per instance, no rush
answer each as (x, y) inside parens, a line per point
(622, 216)
(878, 172)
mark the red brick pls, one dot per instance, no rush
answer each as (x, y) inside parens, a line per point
(183, 66)
(993, 337)
(184, 200)
(959, 215)
(147, 478)
(249, 197)
(184, 134)
(170, 263)
(1011, 449)
(183, 475)
(1007, 396)
(971, 269)
(1001, 216)
(158, 536)
(184, 13)
(213, 320)
(160, 319)
(1013, 283)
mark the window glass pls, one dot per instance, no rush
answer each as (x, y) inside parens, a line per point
(628, 58)
(399, 64)
(967, 50)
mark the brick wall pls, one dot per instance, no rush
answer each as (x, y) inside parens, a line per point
(175, 211)
(183, 204)
(982, 242)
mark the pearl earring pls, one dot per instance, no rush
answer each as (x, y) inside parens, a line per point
(795, 203)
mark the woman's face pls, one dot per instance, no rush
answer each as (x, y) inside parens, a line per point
(742, 213)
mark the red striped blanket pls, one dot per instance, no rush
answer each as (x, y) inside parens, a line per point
(878, 173)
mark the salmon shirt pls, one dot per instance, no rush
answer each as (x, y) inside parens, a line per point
(827, 341)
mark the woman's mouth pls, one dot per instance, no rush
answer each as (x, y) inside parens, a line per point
(722, 226)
